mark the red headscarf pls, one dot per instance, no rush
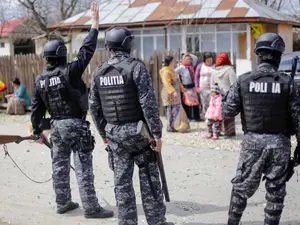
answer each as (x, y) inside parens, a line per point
(190, 67)
(223, 60)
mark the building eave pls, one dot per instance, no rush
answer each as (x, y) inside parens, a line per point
(167, 23)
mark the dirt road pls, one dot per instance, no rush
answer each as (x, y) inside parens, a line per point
(198, 179)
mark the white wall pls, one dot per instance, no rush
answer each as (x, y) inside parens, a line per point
(6, 50)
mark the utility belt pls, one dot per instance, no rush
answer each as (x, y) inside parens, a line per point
(87, 140)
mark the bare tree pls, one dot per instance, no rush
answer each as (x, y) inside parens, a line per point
(48, 12)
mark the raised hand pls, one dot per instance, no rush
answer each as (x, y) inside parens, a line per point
(95, 15)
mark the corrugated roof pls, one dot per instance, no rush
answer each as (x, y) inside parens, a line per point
(155, 11)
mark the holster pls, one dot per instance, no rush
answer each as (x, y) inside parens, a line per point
(87, 142)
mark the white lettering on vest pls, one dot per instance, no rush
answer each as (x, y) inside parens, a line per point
(111, 81)
(258, 87)
(42, 83)
(276, 88)
(261, 87)
(54, 81)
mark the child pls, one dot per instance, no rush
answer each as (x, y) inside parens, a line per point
(214, 113)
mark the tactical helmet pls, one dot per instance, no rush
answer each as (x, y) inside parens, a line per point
(119, 38)
(268, 43)
(55, 49)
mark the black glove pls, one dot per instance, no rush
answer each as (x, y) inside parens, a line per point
(297, 154)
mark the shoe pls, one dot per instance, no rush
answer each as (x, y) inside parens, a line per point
(215, 138)
(68, 207)
(169, 223)
(102, 213)
(209, 136)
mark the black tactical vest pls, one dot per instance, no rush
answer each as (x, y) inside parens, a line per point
(265, 99)
(118, 93)
(61, 99)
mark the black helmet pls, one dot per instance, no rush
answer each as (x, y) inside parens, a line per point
(269, 42)
(55, 49)
(119, 38)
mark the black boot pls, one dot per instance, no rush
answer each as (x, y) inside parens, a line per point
(169, 223)
(102, 213)
(67, 207)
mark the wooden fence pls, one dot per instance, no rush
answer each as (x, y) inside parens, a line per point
(27, 67)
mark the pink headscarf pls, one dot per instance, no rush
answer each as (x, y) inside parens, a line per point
(190, 67)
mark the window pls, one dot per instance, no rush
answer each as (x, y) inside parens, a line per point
(174, 43)
(148, 47)
(223, 42)
(156, 31)
(208, 42)
(2, 45)
(192, 43)
(137, 46)
(239, 27)
(224, 27)
(160, 44)
(207, 28)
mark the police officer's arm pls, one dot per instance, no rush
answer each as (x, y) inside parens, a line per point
(232, 103)
(147, 100)
(294, 107)
(87, 50)
(96, 109)
(38, 109)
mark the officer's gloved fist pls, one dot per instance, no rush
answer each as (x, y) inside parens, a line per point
(41, 138)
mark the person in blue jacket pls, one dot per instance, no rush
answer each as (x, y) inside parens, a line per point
(20, 93)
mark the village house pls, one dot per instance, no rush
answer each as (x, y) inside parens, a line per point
(15, 37)
(230, 26)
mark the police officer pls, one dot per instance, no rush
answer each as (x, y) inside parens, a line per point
(269, 103)
(60, 90)
(121, 95)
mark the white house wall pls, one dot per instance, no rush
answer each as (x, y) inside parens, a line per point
(7, 47)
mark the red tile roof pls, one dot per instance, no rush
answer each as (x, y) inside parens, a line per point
(9, 26)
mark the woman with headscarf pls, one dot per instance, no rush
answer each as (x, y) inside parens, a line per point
(177, 120)
(20, 93)
(225, 76)
(203, 81)
(189, 96)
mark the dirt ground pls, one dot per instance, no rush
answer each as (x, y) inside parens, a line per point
(198, 172)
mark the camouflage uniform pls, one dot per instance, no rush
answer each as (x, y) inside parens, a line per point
(70, 132)
(67, 137)
(266, 154)
(126, 148)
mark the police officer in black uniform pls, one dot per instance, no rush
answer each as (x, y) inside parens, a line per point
(121, 97)
(269, 103)
(61, 91)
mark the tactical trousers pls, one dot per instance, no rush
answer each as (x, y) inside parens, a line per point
(122, 163)
(261, 154)
(66, 136)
